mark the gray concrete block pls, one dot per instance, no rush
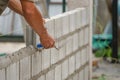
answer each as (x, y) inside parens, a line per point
(50, 75)
(62, 49)
(2, 74)
(75, 42)
(25, 68)
(36, 63)
(65, 24)
(64, 70)
(58, 26)
(81, 38)
(78, 19)
(76, 77)
(72, 21)
(81, 75)
(13, 72)
(84, 17)
(41, 78)
(46, 58)
(50, 25)
(78, 60)
(58, 73)
(71, 64)
(54, 55)
(69, 45)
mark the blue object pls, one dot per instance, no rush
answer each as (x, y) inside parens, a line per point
(39, 45)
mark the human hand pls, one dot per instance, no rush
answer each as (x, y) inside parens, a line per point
(47, 41)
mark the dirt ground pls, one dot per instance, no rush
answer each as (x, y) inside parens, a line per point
(110, 71)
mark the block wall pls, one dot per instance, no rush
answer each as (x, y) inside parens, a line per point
(71, 31)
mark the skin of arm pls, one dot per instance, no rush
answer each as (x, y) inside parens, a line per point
(34, 19)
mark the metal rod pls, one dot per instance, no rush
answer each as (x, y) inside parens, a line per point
(115, 30)
(64, 5)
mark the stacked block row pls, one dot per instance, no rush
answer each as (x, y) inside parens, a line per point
(70, 62)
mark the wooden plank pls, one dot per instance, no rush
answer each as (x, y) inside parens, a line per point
(36, 63)
(25, 67)
(45, 58)
(13, 72)
(2, 74)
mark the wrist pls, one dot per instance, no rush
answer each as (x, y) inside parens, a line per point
(43, 32)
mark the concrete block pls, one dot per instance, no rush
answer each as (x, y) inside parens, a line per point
(62, 50)
(71, 64)
(72, 21)
(78, 19)
(86, 35)
(86, 73)
(58, 26)
(76, 77)
(25, 68)
(50, 25)
(83, 56)
(50, 75)
(84, 17)
(87, 53)
(81, 38)
(78, 60)
(70, 79)
(58, 74)
(65, 24)
(36, 63)
(45, 58)
(54, 55)
(81, 75)
(75, 42)
(13, 72)
(64, 70)
(41, 78)
(2, 74)
(69, 45)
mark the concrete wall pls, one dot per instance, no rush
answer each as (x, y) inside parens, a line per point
(71, 62)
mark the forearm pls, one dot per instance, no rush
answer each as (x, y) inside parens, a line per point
(15, 5)
(33, 17)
